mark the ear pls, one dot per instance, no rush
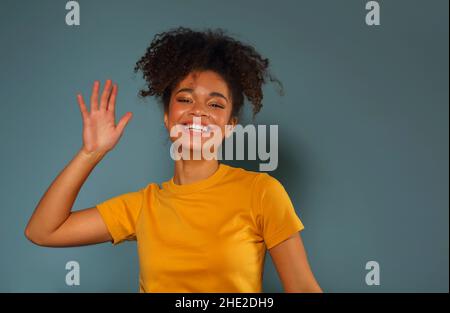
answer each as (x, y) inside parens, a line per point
(230, 127)
(166, 120)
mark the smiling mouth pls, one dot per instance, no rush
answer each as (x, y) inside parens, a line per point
(196, 128)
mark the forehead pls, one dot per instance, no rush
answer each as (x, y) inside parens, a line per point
(204, 82)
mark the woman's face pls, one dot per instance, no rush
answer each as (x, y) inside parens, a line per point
(199, 111)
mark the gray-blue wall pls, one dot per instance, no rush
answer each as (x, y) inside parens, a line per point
(363, 131)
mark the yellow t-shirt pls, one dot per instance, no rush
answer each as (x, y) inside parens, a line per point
(207, 236)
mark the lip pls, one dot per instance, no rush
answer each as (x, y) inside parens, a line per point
(192, 122)
(196, 128)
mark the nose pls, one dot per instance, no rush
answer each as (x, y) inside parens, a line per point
(198, 109)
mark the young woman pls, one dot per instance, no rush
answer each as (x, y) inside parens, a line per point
(207, 228)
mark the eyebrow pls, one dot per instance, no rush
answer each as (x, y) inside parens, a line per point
(212, 94)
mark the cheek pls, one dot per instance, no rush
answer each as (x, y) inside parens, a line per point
(222, 124)
(174, 113)
(222, 118)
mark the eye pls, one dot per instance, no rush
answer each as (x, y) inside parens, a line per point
(185, 100)
(217, 105)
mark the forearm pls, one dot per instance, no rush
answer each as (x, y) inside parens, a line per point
(56, 204)
(303, 287)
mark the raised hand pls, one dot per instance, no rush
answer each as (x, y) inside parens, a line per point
(100, 134)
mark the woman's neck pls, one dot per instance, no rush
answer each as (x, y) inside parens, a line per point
(191, 171)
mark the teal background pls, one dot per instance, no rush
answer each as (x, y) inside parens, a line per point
(363, 131)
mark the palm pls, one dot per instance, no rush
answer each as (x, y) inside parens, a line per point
(100, 134)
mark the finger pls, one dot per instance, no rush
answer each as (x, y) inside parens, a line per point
(82, 105)
(112, 99)
(105, 95)
(123, 122)
(94, 96)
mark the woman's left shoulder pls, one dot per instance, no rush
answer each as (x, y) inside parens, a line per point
(257, 181)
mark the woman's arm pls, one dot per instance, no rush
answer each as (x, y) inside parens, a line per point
(292, 265)
(53, 223)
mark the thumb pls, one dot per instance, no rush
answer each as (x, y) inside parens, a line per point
(124, 121)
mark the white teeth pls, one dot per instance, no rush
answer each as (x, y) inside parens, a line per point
(197, 128)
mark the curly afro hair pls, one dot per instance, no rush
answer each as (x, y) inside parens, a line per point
(172, 55)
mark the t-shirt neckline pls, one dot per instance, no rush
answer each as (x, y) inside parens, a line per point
(171, 186)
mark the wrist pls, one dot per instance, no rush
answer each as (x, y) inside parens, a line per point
(92, 155)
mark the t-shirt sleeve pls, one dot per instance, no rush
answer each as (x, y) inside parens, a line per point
(275, 215)
(120, 214)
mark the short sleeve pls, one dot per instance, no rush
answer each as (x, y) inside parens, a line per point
(120, 215)
(275, 215)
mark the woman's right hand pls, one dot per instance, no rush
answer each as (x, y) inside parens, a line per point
(100, 134)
